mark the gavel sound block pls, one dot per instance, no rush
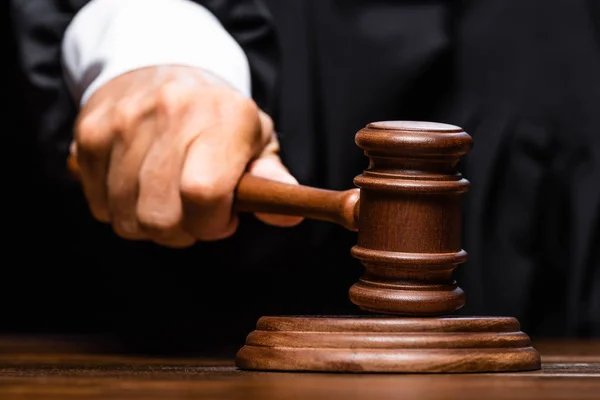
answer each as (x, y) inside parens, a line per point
(407, 211)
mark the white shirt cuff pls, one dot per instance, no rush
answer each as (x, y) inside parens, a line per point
(107, 38)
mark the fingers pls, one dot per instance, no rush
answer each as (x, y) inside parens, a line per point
(214, 163)
(159, 204)
(93, 136)
(269, 166)
(134, 136)
(207, 193)
(268, 137)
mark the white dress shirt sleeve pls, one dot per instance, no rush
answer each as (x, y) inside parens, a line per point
(107, 38)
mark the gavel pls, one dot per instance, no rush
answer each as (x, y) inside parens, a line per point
(406, 209)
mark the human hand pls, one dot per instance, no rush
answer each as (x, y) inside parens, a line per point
(161, 150)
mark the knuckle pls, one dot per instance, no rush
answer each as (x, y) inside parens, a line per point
(266, 122)
(127, 229)
(172, 96)
(126, 115)
(205, 189)
(246, 113)
(247, 108)
(91, 134)
(233, 103)
(160, 223)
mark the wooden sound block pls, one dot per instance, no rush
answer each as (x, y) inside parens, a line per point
(388, 344)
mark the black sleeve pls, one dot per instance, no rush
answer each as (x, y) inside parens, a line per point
(37, 29)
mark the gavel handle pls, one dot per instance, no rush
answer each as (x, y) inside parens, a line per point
(260, 195)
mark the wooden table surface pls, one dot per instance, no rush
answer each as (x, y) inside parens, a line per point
(51, 369)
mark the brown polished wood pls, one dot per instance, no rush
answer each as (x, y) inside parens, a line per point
(409, 236)
(261, 195)
(66, 368)
(387, 344)
(409, 231)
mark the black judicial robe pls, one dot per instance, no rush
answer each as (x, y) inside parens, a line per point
(520, 77)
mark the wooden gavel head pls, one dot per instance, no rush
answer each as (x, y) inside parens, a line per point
(410, 218)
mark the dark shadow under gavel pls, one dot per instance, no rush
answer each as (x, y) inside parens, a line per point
(407, 211)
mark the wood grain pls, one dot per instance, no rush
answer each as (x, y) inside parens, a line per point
(389, 345)
(570, 371)
(409, 229)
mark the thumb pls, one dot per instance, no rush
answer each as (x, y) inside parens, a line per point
(269, 166)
